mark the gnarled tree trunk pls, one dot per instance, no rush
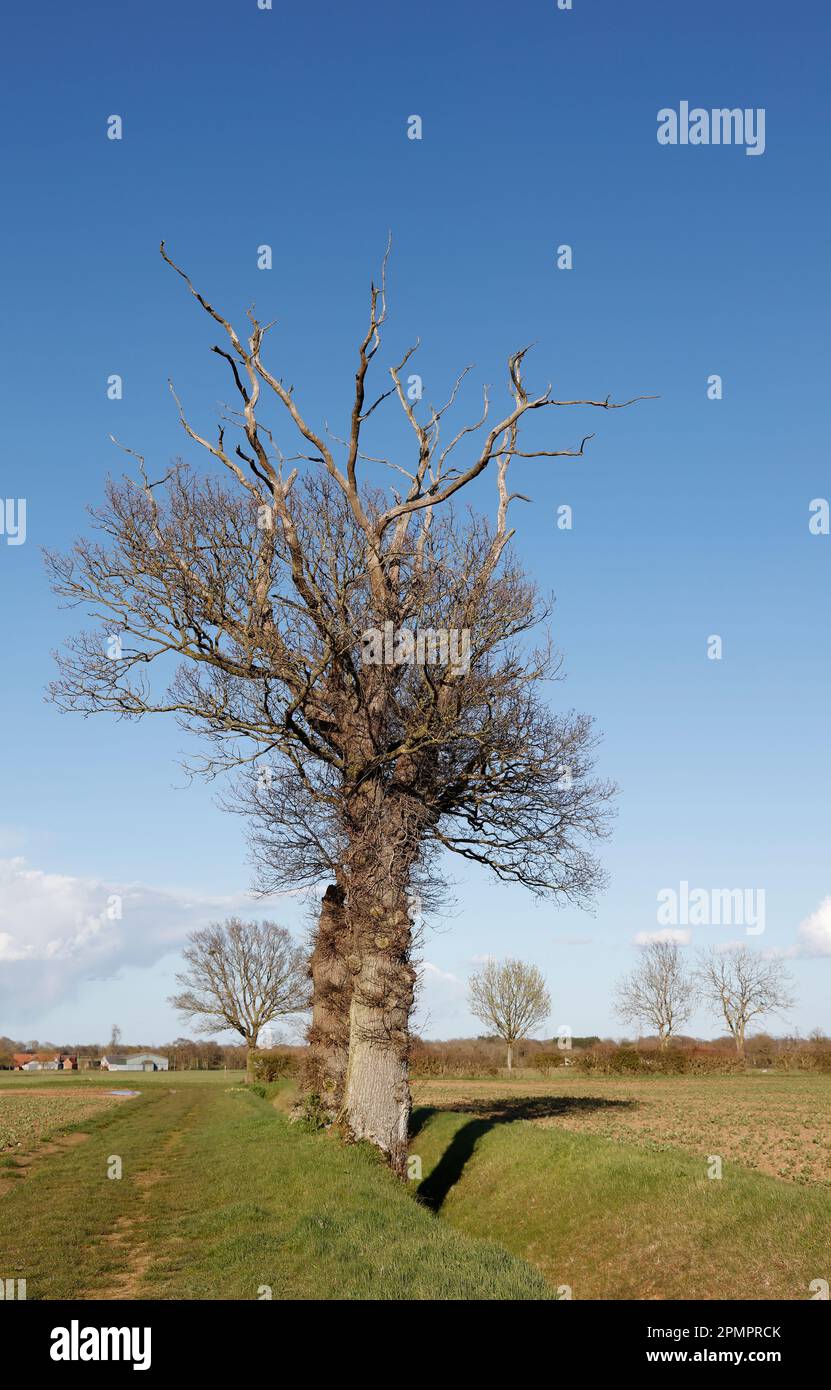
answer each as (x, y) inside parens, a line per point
(331, 978)
(383, 849)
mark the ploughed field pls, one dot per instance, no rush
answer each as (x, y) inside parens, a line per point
(27, 1116)
(521, 1188)
(773, 1123)
(657, 1188)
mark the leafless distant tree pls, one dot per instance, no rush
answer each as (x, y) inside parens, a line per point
(292, 604)
(660, 993)
(242, 976)
(511, 998)
(740, 985)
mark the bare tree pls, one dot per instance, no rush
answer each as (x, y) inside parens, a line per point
(294, 606)
(659, 993)
(740, 985)
(330, 946)
(242, 976)
(511, 998)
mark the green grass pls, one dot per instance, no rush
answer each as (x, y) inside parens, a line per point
(778, 1124)
(605, 1191)
(118, 1080)
(617, 1221)
(221, 1196)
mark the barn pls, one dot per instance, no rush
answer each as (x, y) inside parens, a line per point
(135, 1061)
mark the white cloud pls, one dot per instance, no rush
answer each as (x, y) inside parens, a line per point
(58, 931)
(814, 935)
(435, 973)
(441, 1001)
(679, 934)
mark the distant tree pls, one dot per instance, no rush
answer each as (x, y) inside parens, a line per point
(115, 1038)
(241, 975)
(511, 998)
(659, 993)
(741, 985)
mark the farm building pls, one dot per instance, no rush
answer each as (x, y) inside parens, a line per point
(26, 1061)
(44, 1061)
(136, 1061)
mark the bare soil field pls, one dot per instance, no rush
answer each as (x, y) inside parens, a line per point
(28, 1116)
(778, 1123)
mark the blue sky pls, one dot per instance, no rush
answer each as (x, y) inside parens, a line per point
(289, 127)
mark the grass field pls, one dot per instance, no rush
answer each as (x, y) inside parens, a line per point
(220, 1198)
(115, 1080)
(604, 1186)
(598, 1188)
(772, 1123)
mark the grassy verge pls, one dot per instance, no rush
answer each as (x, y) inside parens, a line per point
(613, 1220)
(220, 1198)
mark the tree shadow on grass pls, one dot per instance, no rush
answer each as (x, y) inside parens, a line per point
(489, 1113)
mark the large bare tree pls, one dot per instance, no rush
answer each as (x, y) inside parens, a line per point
(241, 976)
(511, 998)
(741, 985)
(324, 1073)
(328, 1035)
(660, 993)
(294, 603)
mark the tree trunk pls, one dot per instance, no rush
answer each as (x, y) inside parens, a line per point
(328, 1035)
(510, 1056)
(377, 1088)
(250, 1047)
(383, 847)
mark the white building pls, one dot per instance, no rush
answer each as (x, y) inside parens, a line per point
(147, 1061)
(136, 1061)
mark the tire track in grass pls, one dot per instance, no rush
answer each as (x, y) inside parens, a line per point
(24, 1164)
(127, 1239)
(55, 1225)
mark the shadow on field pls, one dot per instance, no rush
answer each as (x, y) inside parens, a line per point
(433, 1190)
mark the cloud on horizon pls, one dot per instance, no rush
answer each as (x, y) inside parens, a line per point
(648, 938)
(814, 935)
(58, 931)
